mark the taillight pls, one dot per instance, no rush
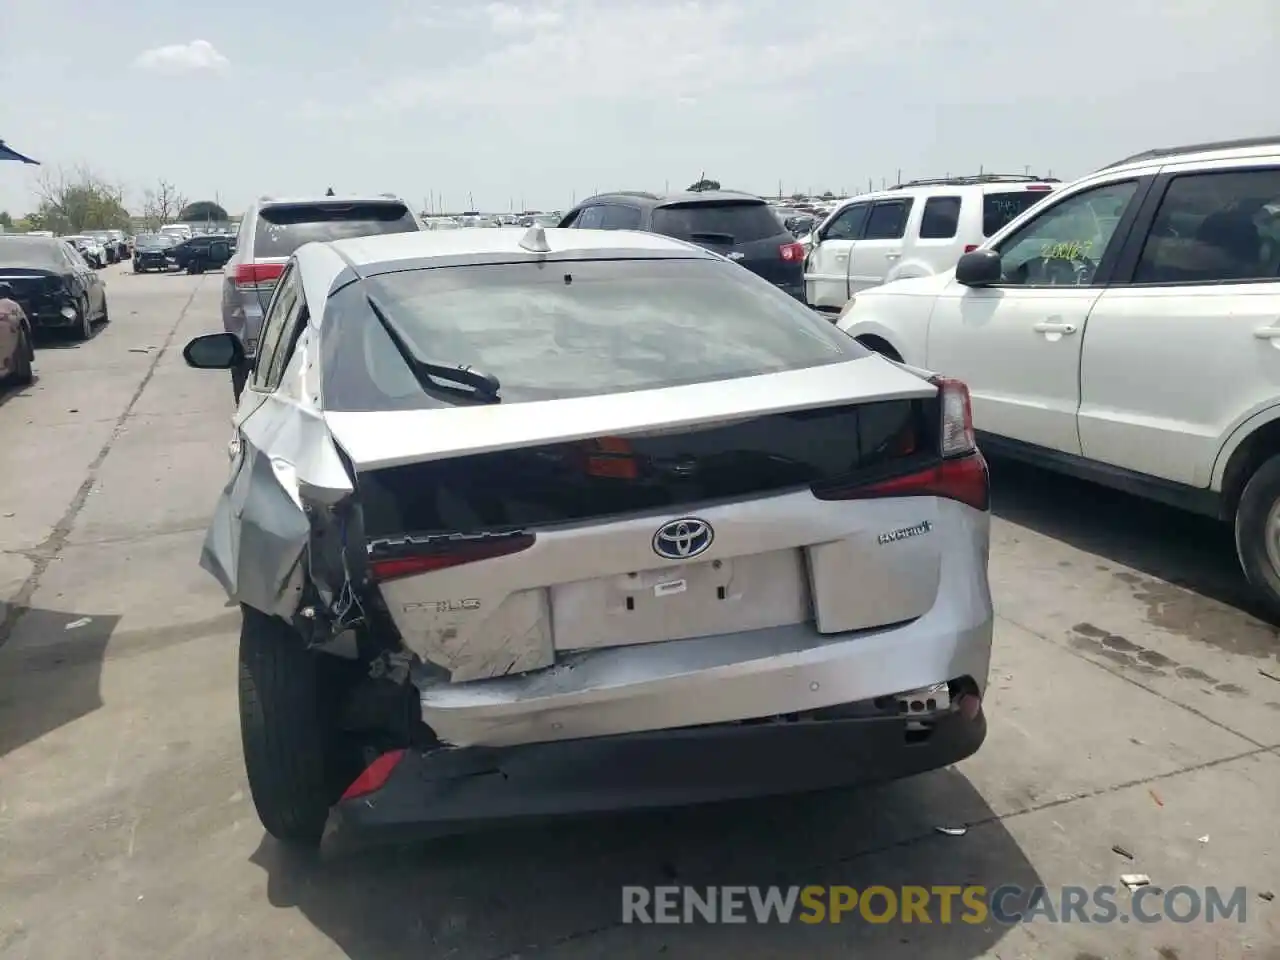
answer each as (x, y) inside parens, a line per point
(970, 247)
(963, 479)
(250, 275)
(375, 776)
(792, 252)
(1040, 188)
(960, 475)
(412, 556)
(957, 437)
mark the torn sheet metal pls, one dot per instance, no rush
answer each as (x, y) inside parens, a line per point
(260, 529)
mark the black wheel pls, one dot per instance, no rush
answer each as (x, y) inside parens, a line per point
(138, 269)
(106, 317)
(1258, 533)
(22, 373)
(82, 329)
(289, 712)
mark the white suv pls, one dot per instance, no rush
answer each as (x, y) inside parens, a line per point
(1127, 331)
(912, 230)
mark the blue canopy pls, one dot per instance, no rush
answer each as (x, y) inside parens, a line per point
(8, 153)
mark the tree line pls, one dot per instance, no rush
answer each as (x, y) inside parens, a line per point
(72, 201)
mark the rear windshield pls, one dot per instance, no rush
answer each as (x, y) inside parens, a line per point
(569, 329)
(998, 209)
(744, 222)
(283, 228)
(39, 254)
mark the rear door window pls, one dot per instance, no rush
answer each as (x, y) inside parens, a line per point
(283, 228)
(888, 220)
(618, 217)
(1000, 209)
(940, 219)
(730, 222)
(591, 218)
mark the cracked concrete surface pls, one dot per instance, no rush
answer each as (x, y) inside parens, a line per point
(1128, 706)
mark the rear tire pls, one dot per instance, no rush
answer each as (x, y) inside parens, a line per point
(1257, 528)
(288, 726)
(23, 373)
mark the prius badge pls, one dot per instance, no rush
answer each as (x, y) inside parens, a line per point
(683, 539)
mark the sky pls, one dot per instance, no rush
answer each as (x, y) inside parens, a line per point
(531, 103)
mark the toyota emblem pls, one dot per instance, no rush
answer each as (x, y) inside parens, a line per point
(683, 539)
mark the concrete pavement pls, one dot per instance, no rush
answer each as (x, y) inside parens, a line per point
(1127, 707)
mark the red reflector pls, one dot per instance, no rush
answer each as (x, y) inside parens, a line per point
(441, 556)
(970, 247)
(616, 468)
(375, 775)
(792, 252)
(1039, 188)
(963, 479)
(252, 274)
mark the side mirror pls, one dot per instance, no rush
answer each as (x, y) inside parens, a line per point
(981, 268)
(214, 351)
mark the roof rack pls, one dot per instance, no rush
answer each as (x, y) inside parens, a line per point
(976, 178)
(1159, 152)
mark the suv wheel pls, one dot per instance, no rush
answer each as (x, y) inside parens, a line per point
(82, 329)
(289, 711)
(1258, 532)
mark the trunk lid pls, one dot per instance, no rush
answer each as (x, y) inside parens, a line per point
(33, 288)
(515, 534)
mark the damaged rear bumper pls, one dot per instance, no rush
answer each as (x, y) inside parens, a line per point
(450, 791)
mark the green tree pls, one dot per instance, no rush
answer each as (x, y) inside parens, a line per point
(80, 200)
(202, 210)
(6, 221)
(704, 184)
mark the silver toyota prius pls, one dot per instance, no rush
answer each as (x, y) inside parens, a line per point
(532, 522)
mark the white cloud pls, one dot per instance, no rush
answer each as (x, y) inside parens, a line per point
(182, 58)
(510, 18)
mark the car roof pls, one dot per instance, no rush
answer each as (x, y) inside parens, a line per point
(1241, 149)
(646, 199)
(331, 264)
(264, 202)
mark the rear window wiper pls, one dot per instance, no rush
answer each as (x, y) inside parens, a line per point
(478, 384)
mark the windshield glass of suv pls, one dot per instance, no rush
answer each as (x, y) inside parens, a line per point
(570, 329)
(283, 228)
(999, 209)
(29, 252)
(744, 222)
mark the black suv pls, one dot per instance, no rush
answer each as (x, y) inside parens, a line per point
(736, 225)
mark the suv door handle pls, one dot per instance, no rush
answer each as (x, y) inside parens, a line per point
(892, 256)
(842, 256)
(1049, 326)
(1267, 333)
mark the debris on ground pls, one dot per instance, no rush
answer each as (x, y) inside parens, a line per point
(76, 624)
(1122, 851)
(1156, 797)
(1205, 838)
(1269, 676)
(1266, 895)
(1135, 880)
(952, 831)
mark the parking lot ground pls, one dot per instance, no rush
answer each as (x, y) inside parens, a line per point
(1133, 703)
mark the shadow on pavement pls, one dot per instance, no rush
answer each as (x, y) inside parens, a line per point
(1181, 548)
(556, 889)
(52, 676)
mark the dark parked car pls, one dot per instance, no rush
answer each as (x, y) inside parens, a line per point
(53, 283)
(202, 253)
(110, 246)
(739, 226)
(151, 251)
